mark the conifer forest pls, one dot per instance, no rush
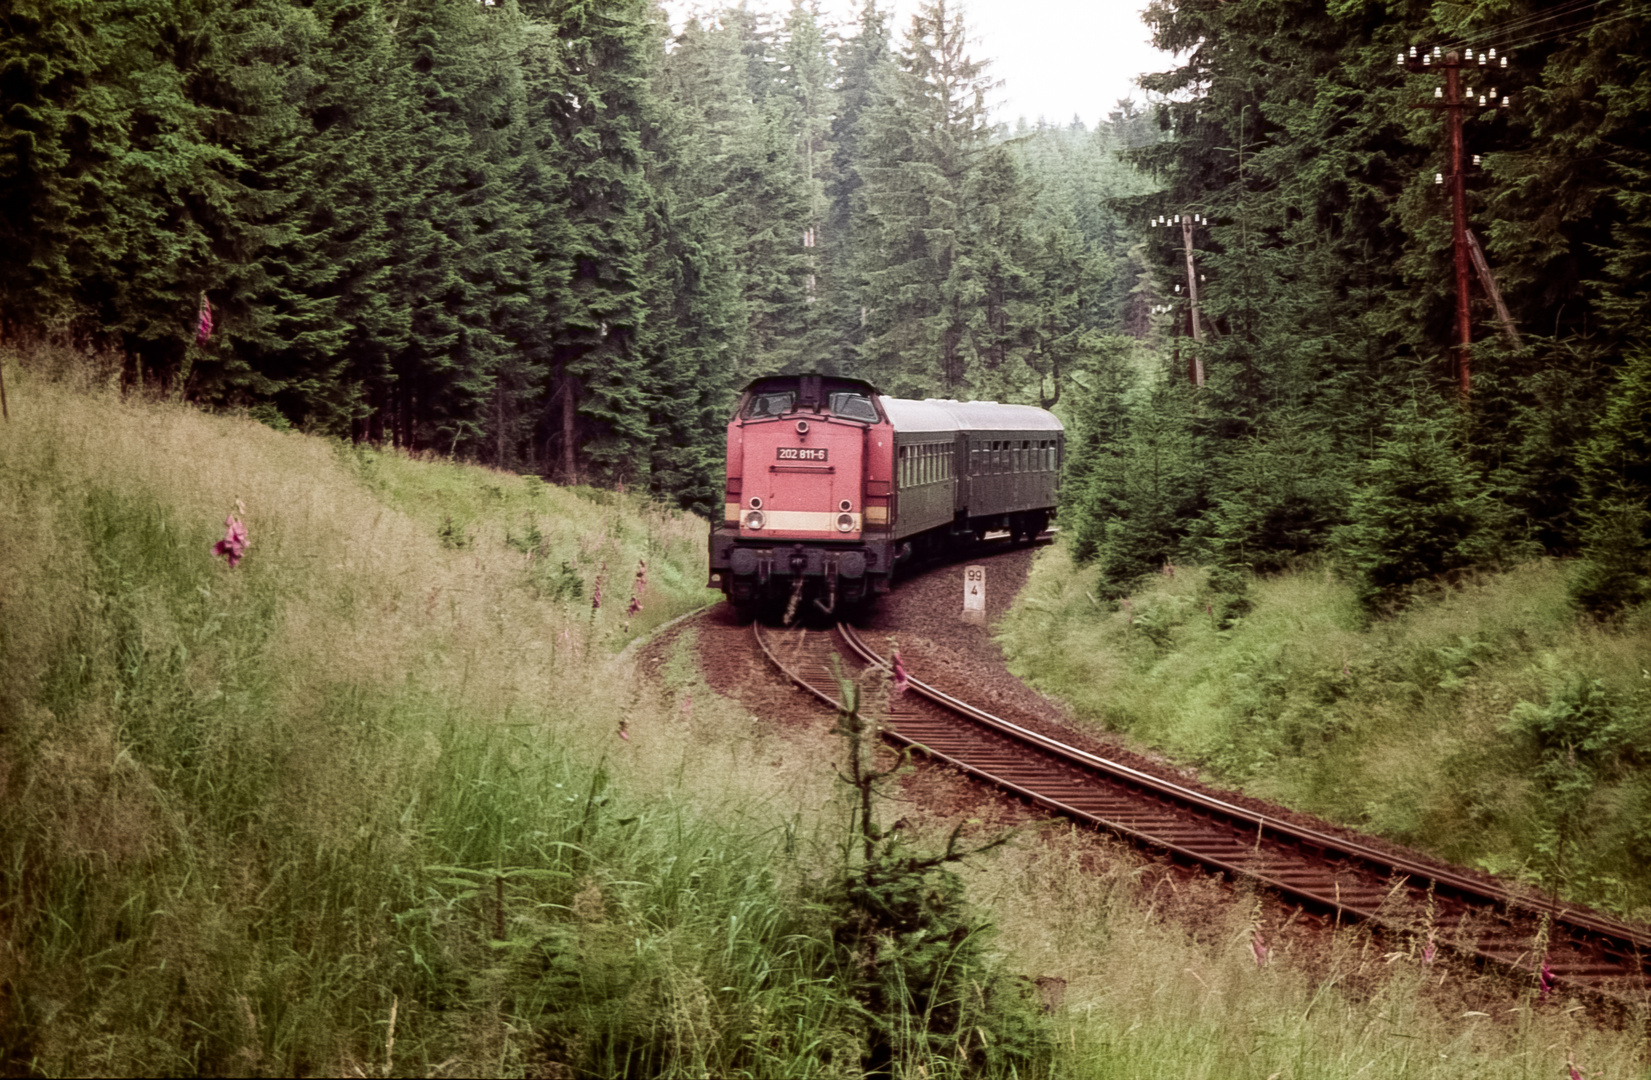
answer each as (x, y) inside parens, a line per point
(556, 236)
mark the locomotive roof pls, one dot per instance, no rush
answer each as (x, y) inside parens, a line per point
(937, 415)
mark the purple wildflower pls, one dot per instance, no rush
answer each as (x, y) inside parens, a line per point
(901, 681)
(1545, 978)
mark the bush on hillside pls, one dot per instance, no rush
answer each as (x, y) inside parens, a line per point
(1414, 517)
(1615, 571)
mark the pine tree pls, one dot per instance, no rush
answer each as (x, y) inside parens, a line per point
(864, 65)
(927, 129)
(600, 101)
(1615, 570)
(63, 132)
(1414, 515)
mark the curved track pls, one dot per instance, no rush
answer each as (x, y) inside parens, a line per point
(1519, 930)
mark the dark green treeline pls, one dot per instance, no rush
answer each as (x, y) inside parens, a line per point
(1330, 421)
(544, 234)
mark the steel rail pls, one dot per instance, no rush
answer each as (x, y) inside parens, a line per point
(1294, 860)
(1394, 864)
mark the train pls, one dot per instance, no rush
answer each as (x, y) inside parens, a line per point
(832, 486)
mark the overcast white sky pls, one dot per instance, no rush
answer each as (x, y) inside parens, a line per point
(1055, 57)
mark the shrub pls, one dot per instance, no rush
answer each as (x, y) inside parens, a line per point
(1414, 517)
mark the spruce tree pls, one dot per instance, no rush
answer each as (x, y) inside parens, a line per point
(63, 132)
(926, 131)
(599, 99)
(1615, 570)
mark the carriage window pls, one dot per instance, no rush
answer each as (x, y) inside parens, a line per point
(852, 406)
(773, 403)
(974, 459)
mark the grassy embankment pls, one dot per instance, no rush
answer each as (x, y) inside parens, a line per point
(359, 805)
(1488, 724)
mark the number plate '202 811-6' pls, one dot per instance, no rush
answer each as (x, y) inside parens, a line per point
(800, 453)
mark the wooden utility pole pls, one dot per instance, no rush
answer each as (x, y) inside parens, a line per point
(1192, 299)
(1454, 103)
(1459, 219)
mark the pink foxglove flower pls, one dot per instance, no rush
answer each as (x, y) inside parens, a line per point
(1258, 946)
(234, 543)
(625, 730)
(1545, 978)
(1429, 951)
(203, 324)
(901, 680)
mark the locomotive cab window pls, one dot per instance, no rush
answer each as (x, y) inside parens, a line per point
(773, 403)
(852, 406)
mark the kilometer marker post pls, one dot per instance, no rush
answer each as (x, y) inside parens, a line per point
(974, 595)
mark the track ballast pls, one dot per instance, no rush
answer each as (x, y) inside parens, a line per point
(1520, 930)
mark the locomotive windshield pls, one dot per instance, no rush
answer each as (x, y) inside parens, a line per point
(771, 403)
(852, 406)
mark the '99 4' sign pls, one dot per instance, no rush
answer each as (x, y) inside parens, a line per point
(801, 453)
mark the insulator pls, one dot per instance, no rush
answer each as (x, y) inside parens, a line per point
(1413, 52)
(1493, 93)
(1481, 101)
(1428, 59)
(1401, 58)
(1177, 288)
(1201, 277)
(1504, 61)
(1438, 178)
(1438, 92)
(1493, 54)
(1476, 159)
(1481, 59)
(1504, 102)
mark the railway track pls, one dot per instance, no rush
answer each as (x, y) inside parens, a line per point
(1556, 944)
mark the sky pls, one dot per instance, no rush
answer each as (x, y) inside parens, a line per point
(1055, 57)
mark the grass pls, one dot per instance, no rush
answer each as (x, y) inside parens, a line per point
(1147, 998)
(1407, 727)
(360, 806)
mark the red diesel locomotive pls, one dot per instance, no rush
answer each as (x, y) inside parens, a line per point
(830, 485)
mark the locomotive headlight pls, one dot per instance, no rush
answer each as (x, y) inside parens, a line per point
(756, 502)
(845, 522)
(754, 519)
(802, 427)
(845, 506)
